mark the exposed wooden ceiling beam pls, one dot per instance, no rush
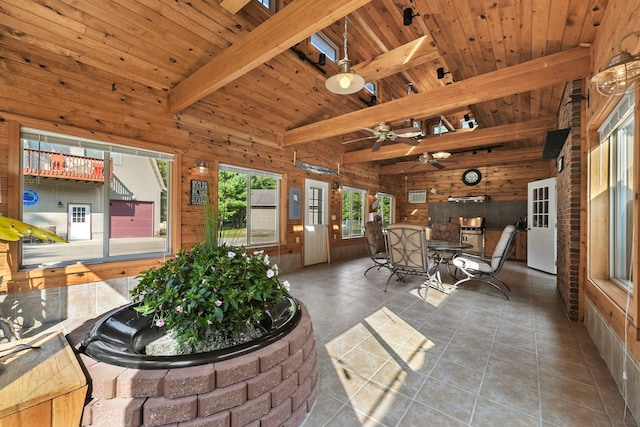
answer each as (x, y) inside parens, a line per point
(295, 22)
(233, 6)
(535, 74)
(467, 160)
(452, 141)
(406, 56)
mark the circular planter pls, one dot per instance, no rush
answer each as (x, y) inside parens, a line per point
(120, 337)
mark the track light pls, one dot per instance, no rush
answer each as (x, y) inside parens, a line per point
(370, 103)
(408, 16)
(441, 73)
(322, 60)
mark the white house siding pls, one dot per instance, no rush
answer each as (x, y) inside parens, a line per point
(46, 213)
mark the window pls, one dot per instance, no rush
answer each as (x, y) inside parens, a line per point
(385, 208)
(352, 212)
(439, 129)
(108, 200)
(249, 206)
(324, 45)
(468, 124)
(371, 87)
(269, 4)
(617, 133)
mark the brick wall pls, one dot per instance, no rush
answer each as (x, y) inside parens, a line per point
(569, 210)
(273, 386)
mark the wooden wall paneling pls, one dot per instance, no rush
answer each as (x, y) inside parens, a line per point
(216, 126)
(127, 65)
(38, 67)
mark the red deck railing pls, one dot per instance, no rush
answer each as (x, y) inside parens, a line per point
(65, 166)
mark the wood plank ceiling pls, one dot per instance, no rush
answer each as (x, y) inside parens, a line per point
(262, 87)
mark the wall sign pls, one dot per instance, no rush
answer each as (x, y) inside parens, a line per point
(30, 197)
(199, 192)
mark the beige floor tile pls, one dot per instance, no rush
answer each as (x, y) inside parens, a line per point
(465, 358)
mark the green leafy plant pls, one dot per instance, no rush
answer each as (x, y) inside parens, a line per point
(210, 291)
(206, 291)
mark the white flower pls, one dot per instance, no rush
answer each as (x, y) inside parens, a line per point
(231, 254)
(266, 260)
(258, 252)
(286, 285)
(270, 273)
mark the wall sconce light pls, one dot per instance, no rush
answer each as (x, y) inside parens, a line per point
(336, 188)
(60, 205)
(346, 81)
(623, 69)
(201, 165)
(441, 73)
(407, 16)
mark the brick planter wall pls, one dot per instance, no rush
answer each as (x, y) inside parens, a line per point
(273, 386)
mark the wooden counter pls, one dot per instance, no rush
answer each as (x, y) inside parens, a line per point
(41, 387)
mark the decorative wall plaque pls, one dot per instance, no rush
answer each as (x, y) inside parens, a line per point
(199, 192)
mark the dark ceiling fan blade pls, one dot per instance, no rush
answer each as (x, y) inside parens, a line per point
(437, 165)
(359, 139)
(378, 144)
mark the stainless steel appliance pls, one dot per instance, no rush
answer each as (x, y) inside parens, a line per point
(472, 231)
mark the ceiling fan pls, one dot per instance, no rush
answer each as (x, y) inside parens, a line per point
(383, 132)
(432, 158)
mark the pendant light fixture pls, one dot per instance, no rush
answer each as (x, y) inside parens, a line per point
(622, 71)
(346, 81)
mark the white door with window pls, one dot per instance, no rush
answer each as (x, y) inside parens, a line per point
(79, 222)
(316, 220)
(542, 225)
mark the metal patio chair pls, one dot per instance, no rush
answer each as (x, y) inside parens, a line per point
(476, 268)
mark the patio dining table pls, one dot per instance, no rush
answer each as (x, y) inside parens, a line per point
(440, 248)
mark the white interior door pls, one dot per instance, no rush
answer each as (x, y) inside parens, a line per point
(316, 220)
(542, 225)
(79, 222)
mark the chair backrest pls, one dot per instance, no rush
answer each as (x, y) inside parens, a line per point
(374, 237)
(449, 231)
(503, 248)
(407, 247)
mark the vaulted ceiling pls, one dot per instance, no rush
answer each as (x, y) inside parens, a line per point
(235, 62)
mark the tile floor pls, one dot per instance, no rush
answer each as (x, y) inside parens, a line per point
(465, 358)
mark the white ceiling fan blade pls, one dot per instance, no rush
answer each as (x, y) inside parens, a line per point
(359, 139)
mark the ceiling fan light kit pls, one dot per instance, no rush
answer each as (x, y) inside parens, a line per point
(346, 81)
(441, 155)
(623, 69)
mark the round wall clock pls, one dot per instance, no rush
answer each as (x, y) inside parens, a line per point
(471, 176)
